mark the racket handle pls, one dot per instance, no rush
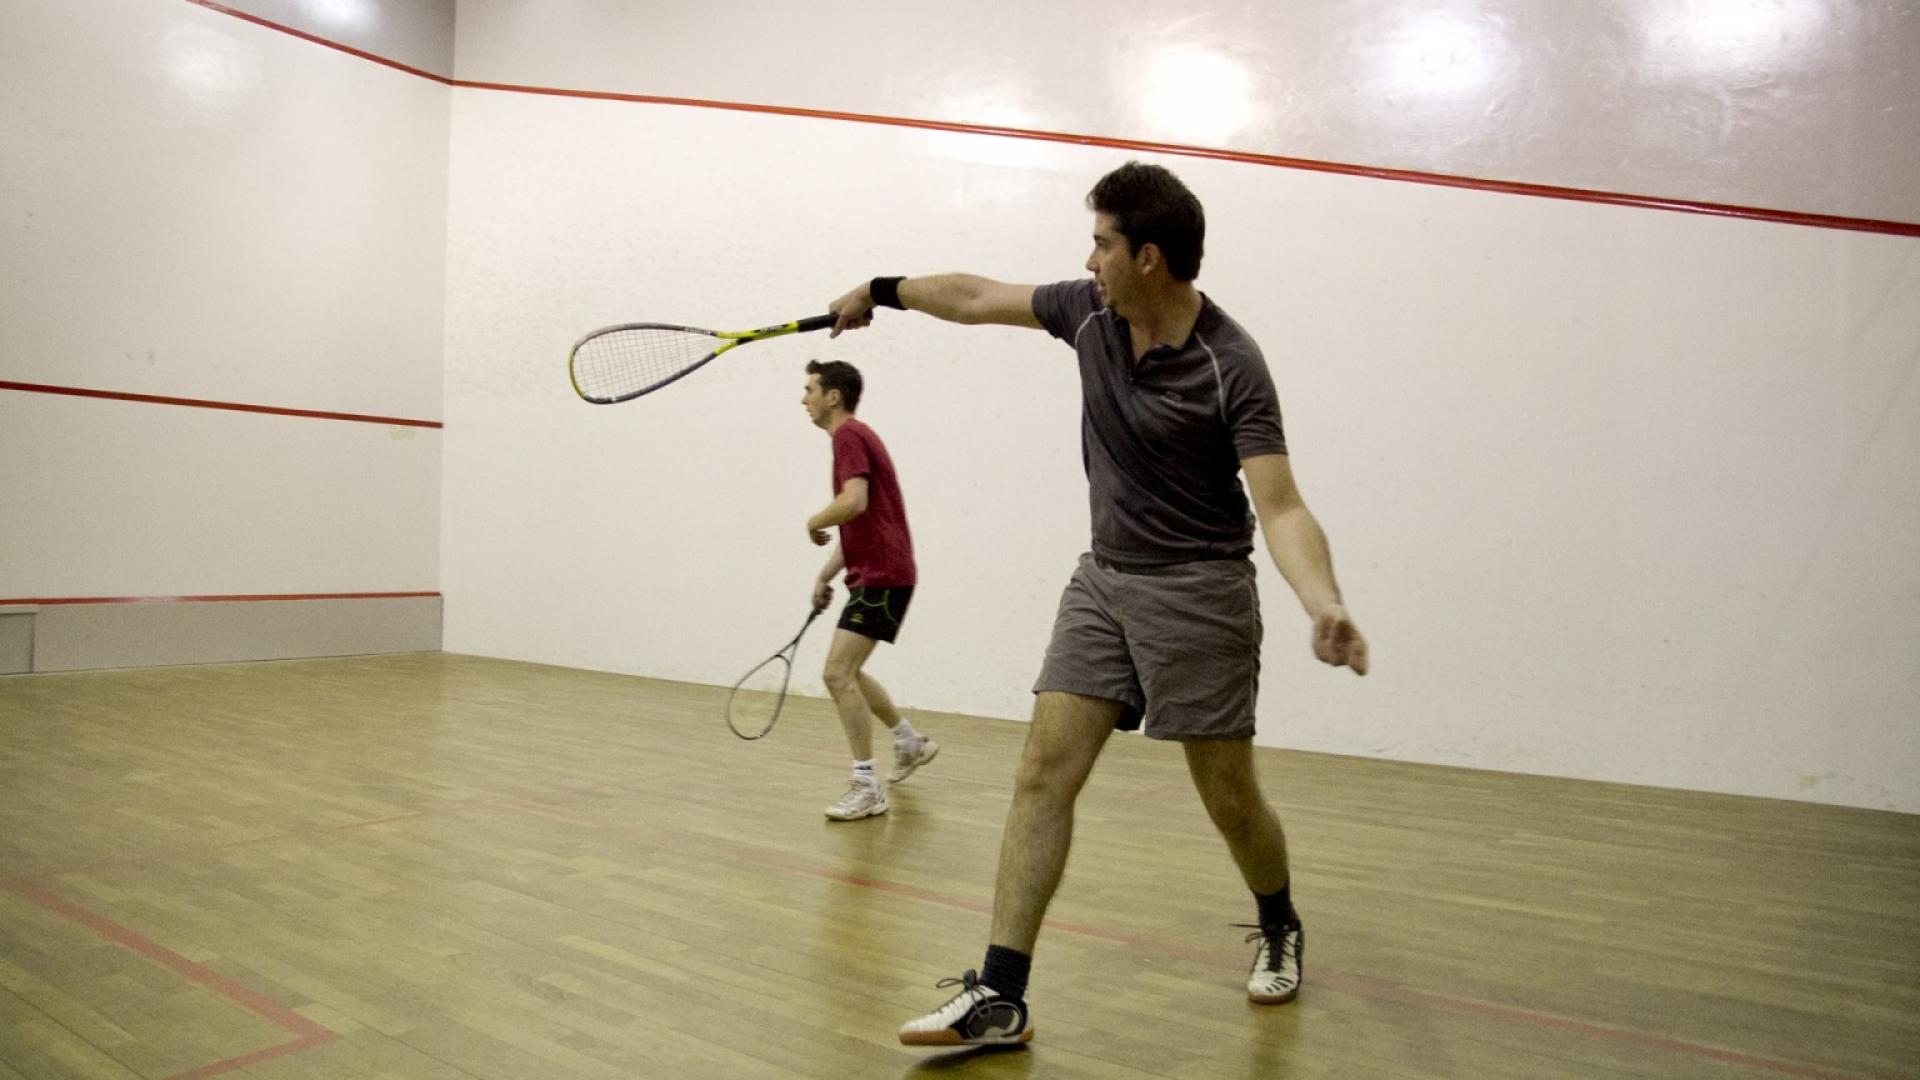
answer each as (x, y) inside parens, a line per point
(818, 322)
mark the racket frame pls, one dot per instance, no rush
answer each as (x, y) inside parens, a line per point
(729, 339)
(786, 655)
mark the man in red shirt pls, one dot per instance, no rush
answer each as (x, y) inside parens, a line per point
(876, 551)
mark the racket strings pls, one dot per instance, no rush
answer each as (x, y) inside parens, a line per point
(625, 362)
(756, 700)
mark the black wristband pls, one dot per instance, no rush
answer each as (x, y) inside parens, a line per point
(886, 292)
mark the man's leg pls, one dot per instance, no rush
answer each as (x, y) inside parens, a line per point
(1223, 772)
(845, 655)
(864, 797)
(1062, 744)
(910, 748)
(878, 700)
(1088, 677)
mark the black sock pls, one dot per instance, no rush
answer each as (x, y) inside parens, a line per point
(1005, 970)
(1276, 908)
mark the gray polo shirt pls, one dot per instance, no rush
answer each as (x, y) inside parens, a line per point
(1162, 441)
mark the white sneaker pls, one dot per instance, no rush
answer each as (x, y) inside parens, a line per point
(862, 800)
(976, 1016)
(1275, 978)
(910, 757)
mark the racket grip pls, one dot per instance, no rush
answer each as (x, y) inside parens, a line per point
(818, 322)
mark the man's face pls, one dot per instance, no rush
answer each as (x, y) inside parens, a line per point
(1116, 271)
(819, 408)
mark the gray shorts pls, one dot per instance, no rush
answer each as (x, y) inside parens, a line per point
(1177, 646)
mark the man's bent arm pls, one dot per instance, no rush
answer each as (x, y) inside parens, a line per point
(1299, 549)
(849, 504)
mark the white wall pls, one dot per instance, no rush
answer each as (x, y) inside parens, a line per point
(1618, 494)
(1806, 105)
(198, 207)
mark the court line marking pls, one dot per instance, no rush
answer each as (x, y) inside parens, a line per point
(307, 1033)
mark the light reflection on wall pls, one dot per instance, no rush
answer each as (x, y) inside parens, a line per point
(1440, 55)
(1195, 95)
(1713, 36)
(354, 15)
(992, 149)
(212, 70)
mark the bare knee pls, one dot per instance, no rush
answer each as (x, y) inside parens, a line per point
(1063, 742)
(1237, 810)
(1048, 773)
(1031, 778)
(841, 679)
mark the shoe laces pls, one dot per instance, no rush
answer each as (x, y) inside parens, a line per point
(1277, 942)
(967, 982)
(970, 987)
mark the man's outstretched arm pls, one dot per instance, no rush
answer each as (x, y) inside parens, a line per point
(959, 298)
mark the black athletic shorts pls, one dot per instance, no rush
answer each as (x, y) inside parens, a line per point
(876, 612)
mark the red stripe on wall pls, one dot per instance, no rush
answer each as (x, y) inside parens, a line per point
(317, 40)
(53, 601)
(202, 403)
(1410, 176)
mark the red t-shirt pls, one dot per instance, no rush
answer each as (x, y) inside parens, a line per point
(877, 546)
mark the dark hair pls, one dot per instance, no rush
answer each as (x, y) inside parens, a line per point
(838, 375)
(1151, 206)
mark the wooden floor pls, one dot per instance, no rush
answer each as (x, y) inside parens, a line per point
(446, 867)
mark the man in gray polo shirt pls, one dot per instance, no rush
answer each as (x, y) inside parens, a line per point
(1160, 623)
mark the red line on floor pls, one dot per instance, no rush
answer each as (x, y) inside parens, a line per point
(1380, 989)
(1339, 982)
(235, 1063)
(309, 1033)
(1325, 978)
(914, 892)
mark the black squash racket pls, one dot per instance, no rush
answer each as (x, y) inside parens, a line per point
(754, 703)
(620, 363)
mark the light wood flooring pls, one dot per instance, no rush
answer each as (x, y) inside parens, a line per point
(453, 868)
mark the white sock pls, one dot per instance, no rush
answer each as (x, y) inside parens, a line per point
(863, 772)
(903, 733)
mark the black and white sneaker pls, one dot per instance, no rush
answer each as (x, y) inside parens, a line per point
(1275, 978)
(977, 1016)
